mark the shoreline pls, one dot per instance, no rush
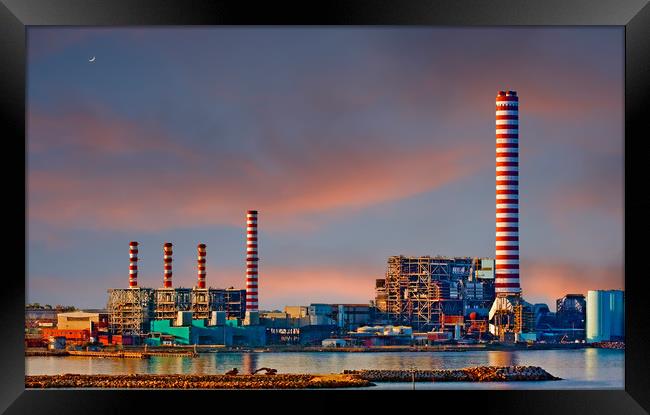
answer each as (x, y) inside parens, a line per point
(192, 351)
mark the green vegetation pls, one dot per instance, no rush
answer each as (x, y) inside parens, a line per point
(58, 307)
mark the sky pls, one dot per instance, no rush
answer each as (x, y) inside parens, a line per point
(354, 144)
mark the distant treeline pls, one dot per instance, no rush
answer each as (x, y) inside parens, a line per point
(58, 307)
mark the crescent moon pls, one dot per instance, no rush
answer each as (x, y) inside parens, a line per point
(91, 59)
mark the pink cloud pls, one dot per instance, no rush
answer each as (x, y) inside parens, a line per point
(216, 189)
(599, 190)
(97, 132)
(547, 281)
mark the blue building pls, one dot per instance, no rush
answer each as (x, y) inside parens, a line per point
(605, 316)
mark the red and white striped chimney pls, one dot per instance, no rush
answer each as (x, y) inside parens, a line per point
(133, 264)
(251, 260)
(200, 260)
(167, 258)
(507, 194)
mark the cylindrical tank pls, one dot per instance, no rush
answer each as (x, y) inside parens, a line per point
(598, 316)
(617, 308)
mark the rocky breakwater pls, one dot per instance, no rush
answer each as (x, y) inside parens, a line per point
(138, 381)
(470, 374)
(609, 345)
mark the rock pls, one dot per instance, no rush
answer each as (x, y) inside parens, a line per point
(472, 374)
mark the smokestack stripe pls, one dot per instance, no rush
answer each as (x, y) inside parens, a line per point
(251, 261)
(200, 260)
(507, 194)
(133, 264)
(167, 259)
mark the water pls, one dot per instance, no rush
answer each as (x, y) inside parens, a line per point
(580, 369)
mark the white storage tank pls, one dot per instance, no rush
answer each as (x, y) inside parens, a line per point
(605, 315)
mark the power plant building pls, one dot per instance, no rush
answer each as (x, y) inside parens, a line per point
(419, 291)
(132, 310)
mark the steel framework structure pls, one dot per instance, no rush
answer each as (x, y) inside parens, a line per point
(169, 301)
(130, 310)
(201, 304)
(417, 290)
(207, 300)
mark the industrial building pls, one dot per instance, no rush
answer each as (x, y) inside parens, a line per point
(345, 316)
(185, 330)
(132, 310)
(81, 320)
(297, 311)
(605, 316)
(570, 316)
(419, 291)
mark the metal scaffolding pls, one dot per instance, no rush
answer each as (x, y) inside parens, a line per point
(201, 303)
(130, 310)
(169, 301)
(419, 290)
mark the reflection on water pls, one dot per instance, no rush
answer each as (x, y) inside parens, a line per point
(499, 358)
(581, 368)
(249, 363)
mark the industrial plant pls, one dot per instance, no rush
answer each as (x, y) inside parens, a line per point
(420, 299)
(137, 311)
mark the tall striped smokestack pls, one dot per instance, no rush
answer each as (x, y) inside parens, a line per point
(133, 264)
(200, 260)
(507, 194)
(251, 260)
(167, 258)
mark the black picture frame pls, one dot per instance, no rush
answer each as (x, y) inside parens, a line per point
(16, 15)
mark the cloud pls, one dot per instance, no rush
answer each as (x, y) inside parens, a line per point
(92, 130)
(286, 285)
(596, 189)
(546, 281)
(110, 181)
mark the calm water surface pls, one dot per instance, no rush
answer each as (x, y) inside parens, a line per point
(580, 369)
